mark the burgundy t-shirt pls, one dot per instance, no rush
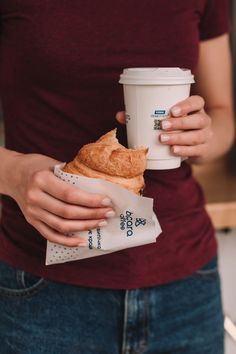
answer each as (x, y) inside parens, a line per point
(60, 63)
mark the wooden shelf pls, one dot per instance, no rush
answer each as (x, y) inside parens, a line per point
(219, 186)
(222, 214)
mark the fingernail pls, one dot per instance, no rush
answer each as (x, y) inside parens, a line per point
(83, 244)
(102, 223)
(110, 214)
(176, 110)
(165, 137)
(166, 124)
(106, 202)
(176, 149)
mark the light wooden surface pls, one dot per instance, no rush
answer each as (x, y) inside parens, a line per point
(223, 214)
(219, 186)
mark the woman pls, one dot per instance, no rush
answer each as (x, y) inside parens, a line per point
(60, 65)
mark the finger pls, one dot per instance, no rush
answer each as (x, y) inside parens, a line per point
(193, 121)
(65, 192)
(65, 226)
(193, 137)
(120, 117)
(189, 151)
(191, 104)
(54, 236)
(70, 211)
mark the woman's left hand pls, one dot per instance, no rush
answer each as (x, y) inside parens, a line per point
(188, 130)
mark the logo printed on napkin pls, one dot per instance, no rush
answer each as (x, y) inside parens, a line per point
(127, 222)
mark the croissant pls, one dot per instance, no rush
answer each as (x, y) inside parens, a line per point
(111, 161)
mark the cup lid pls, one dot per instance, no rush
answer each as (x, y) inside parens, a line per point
(156, 76)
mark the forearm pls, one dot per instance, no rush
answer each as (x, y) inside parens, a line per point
(7, 158)
(53, 207)
(223, 134)
(214, 84)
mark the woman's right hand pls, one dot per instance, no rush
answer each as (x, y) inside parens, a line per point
(52, 206)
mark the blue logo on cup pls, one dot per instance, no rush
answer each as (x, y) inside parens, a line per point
(160, 112)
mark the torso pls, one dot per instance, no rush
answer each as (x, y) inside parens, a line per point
(60, 63)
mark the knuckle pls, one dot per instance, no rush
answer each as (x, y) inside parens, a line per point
(45, 174)
(211, 134)
(68, 195)
(49, 236)
(199, 100)
(29, 219)
(37, 178)
(83, 226)
(182, 152)
(30, 196)
(94, 200)
(46, 233)
(90, 224)
(181, 123)
(207, 135)
(189, 106)
(198, 138)
(28, 211)
(61, 227)
(175, 151)
(202, 120)
(97, 213)
(203, 137)
(179, 139)
(79, 227)
(66, 213)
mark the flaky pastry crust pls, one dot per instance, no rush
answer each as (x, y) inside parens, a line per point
(109, 160)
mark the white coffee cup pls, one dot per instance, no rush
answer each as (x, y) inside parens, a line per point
(149, 93)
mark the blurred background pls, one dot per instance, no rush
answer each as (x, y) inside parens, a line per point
(218, 180)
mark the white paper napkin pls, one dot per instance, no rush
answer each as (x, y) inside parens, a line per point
(135, 223)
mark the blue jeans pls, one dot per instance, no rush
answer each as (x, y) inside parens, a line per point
(38, 316)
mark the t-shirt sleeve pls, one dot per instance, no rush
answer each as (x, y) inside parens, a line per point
(215, 19)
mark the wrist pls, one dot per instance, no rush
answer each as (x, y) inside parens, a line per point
(8, 175)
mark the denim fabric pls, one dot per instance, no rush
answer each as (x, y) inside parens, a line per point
(38, 316)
